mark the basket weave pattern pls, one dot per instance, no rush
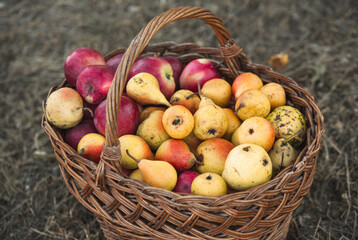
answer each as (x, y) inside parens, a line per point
(128, 209)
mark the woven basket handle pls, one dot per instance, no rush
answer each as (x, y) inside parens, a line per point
(228, 47)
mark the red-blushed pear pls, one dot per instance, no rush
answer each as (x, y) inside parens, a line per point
(135, 145)
(256, 130)
(177, 68)
(245, 81)
(187, 99)
(212, 154)
(74, 135)
(128, 117)
(94, 82)
(184, 181)
(143, 88)
(197, 71)
(79, 60)
(177, 153)
(64, 108)
(160, 69)
(91, 146)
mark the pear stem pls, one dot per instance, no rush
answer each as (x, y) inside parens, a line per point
(199, 88)
(192, 95)
(132, 156)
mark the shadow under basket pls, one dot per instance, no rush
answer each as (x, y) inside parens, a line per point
(128, 209)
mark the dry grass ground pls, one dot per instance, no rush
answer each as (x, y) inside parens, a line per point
(321, 38)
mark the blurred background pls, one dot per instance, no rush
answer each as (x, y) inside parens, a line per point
(320, 38)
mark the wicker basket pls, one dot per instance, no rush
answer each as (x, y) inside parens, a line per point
(128, 209)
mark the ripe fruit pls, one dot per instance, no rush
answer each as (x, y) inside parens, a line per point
(247, 165)
(144, 89)
(79, 60)
(218, 90)
(64, 108)
(252, 103)
(91, 146)
(187, 99)
(137, 175)
(275, 94)
(197, 71)
(212, 154)
(160, 69)
(177, 68)
(152, 130)
(282, 155)
(178, 121)
(234, 123)
(245, 81)
(147, 111)
(256, 130)
(177, 153)
(158, 174)
(93, 83)
(209, 184)
(74, 135)
(137, 147)
(184, 182)
(288, 122)
(128, 117)
(210, 121)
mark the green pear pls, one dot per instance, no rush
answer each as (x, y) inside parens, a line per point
(282, 154)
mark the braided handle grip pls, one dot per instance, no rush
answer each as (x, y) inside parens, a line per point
(228, 47)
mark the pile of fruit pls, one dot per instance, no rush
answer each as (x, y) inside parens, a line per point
(181, 128)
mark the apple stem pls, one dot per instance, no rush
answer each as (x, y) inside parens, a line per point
(131, 156)
(88, 109)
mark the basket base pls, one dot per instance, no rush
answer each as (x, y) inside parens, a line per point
(114, 232)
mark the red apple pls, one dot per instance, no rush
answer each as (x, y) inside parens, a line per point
(94, 82)
(79, 60)
(184, 181)
(177, 67)
(160, 69)
(128, 117)
(197, 71)
(74, 135)
(115, 61)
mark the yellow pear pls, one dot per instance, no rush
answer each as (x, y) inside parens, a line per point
(187, 99)
(137, 175)
(160, 174)
(135, 145)
(210, 120)
(147, 111)
(246, 166)
(144, 89)
(218, 90)
(234, 123)
(152, 130)
(209, 184)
